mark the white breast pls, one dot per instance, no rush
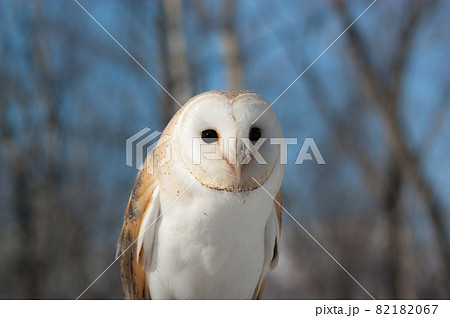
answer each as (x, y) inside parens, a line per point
(209, 246)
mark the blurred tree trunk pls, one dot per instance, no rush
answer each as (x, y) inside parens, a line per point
(175, 67)
(229, 45)
(391, 206)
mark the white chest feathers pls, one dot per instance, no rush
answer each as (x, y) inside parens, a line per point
(210, 247)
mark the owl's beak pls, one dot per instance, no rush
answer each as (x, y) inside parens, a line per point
(234, 159)
(237, 171)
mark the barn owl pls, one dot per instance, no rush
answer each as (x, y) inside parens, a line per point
(206, 229)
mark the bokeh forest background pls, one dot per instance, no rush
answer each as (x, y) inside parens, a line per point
(376, 104)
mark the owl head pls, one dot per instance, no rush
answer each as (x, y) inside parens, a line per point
(219, 143)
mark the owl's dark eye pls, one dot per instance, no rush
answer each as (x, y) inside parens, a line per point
(254, 134)
(209, 135)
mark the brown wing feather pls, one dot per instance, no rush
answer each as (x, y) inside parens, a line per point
(277, 205)
(134, 282)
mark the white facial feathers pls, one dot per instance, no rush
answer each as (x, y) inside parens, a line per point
(223, 149)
